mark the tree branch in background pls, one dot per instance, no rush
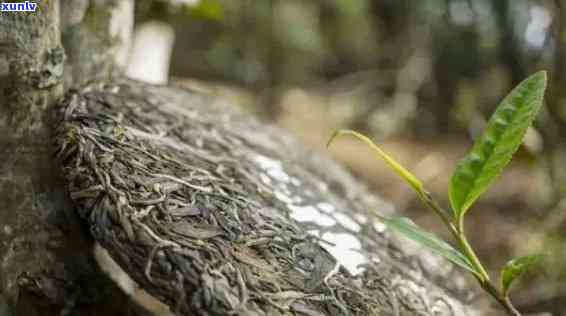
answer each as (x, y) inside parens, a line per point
(97, 38)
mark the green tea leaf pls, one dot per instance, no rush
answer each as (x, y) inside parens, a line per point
(515, 268)
(493, 150)
(415, 183)
(408, 229)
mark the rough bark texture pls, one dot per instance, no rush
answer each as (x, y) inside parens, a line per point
(199, 204)
(46, 266)
(96, 35)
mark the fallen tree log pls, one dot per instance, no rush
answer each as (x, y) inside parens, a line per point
(214, 213)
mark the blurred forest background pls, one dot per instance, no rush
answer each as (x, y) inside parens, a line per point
(419, 77)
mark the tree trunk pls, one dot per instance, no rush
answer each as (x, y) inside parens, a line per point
(96, 36)
(46, 259)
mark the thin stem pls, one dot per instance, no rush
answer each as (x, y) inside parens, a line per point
(469, 252)
(509, 307)
(504, 301)
(458, 232)
(436, 208)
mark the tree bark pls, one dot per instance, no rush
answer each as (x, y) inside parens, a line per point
(46, 259)
(96, 35)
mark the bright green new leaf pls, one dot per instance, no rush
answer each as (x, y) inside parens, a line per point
(515, 268)
(493, 150)
(410, 230)
(415, 183)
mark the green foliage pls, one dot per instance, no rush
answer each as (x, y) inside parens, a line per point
(472, 177)
(415, 183)
(410, 230)
(515, 268)
(491, 152)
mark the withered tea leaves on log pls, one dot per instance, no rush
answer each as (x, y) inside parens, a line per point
(197, 203)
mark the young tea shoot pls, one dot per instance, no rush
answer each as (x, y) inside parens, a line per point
(473, 176)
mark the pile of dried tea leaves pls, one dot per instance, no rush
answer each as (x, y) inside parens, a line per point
(198, 203)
